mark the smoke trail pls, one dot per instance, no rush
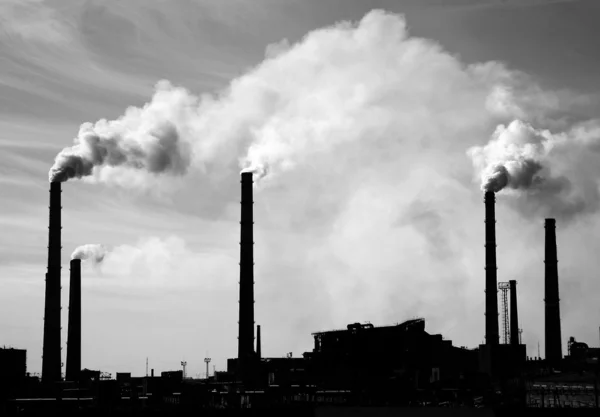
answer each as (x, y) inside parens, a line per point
(311, 97)
(148, 139)
(303, 99)
(554, 172)
(93, 252)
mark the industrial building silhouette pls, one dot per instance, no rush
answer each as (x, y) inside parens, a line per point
(407, 366)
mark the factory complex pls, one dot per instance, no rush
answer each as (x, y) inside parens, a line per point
(408, 368)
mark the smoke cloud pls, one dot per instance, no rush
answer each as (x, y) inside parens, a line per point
(553, 171)
(340, 84)
(147, 139)
(92, 252)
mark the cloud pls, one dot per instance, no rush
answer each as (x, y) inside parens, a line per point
(93, 252)
(155, 263)
(555, 172)
(33, 20)
(307, 99)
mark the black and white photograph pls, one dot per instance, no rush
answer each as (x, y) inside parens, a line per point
(303, 208)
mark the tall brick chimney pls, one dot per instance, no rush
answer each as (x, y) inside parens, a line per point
(492, 336)
(51, 356)
(551, 299)
(246, 322)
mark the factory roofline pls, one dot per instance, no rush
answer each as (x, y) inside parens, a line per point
(406, 323)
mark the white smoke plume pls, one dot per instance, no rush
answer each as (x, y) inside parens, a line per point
(258, 171)
(342, 85)
(552, 170)
(92, 252)
(339, 84)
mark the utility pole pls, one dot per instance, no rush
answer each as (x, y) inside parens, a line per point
(207, 361)
(184, 364)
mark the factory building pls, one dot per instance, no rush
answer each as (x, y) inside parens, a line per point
(13, 363)
(13, 371)
(404, 353)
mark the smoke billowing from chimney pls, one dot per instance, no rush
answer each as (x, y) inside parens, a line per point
(303, 99)
(92, 252)
(148, 139)
(258, 171)
(552, 171)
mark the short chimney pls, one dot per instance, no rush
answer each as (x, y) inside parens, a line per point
(258, 347)
(514, 315)
(74, 331)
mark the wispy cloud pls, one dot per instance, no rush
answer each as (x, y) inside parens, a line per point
(33, 20)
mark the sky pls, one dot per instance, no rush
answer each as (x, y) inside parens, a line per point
(367, 115)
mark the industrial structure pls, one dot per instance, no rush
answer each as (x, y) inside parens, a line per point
(51, 356)
(551, 299)
(74, 335)
(359, 365)
(504, 287)
(491, 269)
(514, 314)
(246, 354)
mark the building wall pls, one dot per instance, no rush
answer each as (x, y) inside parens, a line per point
(13, 371)
(13, 363)
(405, 354)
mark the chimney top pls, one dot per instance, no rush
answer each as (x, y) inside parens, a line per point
(77, 260)
(490, 195)
(550, 222)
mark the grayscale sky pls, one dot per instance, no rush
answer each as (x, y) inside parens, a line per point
(372, 210)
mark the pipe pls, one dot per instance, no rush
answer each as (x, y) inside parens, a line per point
(74, 335)
(51, 351)
(258, 347)
(492, 336)
(553, 341)
(246, 322)
(514, 315)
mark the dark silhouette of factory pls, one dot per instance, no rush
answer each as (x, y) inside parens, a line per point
(406, 367)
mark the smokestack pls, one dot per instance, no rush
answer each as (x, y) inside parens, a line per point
(51, 356)
(74, 336)
(514, 315)
(258, 349)
(551, 300)
(491, 292)
(246, 323)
